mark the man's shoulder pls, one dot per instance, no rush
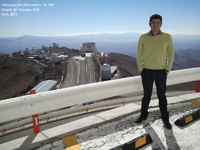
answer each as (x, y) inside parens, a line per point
(144, 35)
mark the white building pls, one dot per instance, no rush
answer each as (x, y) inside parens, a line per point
(32, 49)
(61, 58)
(42, 54)
(88, 48)
(27, 51)
(105, 72)
(55, 45)
(44, 86)
(65, 57)
(53, 56)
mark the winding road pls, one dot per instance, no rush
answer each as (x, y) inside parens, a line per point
(79, 71)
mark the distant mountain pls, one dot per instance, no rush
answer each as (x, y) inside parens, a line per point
(188, 58)
(125, 43)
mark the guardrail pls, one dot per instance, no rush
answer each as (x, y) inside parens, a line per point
(71, 110)
(24, 106)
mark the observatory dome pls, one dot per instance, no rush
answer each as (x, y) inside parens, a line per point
(53, 56)
(105, 67)
(41, 53)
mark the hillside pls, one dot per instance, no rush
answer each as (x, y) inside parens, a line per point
(19, 75)
(127, 65)
(1, 54)
(186, 59)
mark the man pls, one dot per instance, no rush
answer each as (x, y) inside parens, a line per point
(152, 51)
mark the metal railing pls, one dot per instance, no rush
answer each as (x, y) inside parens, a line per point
(24, 106)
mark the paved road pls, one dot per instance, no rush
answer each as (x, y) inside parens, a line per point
(71, 73)
(82, 76)
(89, 70)
(79, 71)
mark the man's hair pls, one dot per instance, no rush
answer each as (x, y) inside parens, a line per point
(155, 16)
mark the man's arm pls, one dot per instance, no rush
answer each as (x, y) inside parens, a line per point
(170, 51)
(139, 54)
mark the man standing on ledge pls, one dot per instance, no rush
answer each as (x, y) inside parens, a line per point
(152, 51)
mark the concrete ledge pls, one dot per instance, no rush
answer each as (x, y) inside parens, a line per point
(71, 127)
(120, 111)
(14, 144)
(190, 96)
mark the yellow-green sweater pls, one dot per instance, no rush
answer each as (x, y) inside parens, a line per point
(152, 52)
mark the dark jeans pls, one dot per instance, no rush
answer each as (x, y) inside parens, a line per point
(148, 77)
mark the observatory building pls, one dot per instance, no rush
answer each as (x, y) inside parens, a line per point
(44, 86)
(42, 54)
(55, 45)
(53, 56)
(60, 58)
(88, 48)
(107, 72)
(27, 51)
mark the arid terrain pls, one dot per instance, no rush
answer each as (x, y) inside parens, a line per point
(20, 74)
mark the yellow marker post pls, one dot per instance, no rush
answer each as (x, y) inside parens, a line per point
(196, 102)
(188, 119)
(140, 142)
(71, 143)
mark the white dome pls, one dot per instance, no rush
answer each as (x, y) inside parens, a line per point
(41, 53)
(105, 67)
(53, 55)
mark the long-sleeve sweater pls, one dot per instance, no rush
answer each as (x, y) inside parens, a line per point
(152, 52)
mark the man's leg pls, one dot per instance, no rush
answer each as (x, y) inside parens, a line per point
(147, 82)
(160, 82)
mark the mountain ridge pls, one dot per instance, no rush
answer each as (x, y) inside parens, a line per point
(105, 42)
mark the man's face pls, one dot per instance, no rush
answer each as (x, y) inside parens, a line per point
(155, 25)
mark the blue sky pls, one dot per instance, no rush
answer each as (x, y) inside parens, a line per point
(75, 17)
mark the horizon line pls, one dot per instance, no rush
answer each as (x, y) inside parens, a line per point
(72, 35)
